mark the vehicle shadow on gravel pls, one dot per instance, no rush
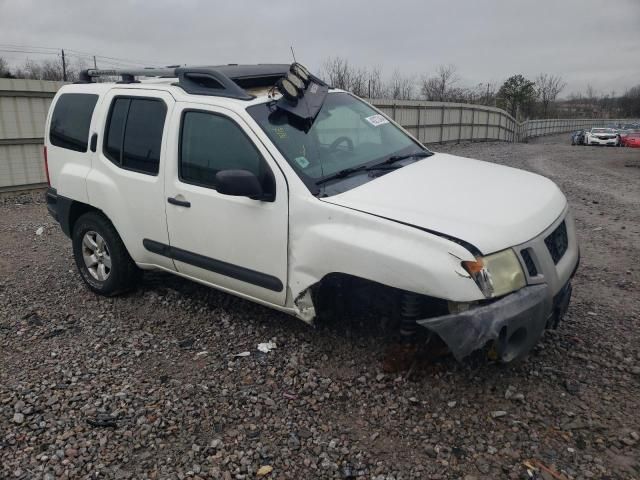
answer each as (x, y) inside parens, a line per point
(344, 334)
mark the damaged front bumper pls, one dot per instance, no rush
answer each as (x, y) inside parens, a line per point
(514, 322)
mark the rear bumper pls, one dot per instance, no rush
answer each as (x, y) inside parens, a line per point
(52, 203)
(59, 207)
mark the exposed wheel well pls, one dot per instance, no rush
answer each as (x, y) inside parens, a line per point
(76, 210)
(348, 296)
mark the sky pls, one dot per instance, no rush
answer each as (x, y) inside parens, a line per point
(586, 42)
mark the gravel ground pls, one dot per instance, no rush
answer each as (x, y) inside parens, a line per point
(147, 385)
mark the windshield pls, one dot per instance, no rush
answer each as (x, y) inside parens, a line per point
(346, 134)
(601, 130)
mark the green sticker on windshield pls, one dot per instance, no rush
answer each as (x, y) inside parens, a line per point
(302, 161)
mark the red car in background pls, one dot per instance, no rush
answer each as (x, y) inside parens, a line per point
(631, 140)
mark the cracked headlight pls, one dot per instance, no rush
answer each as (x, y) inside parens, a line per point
(496, 274)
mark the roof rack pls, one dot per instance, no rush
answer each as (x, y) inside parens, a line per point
(221, 81)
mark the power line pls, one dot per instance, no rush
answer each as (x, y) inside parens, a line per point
(13, 45)
(28, 51)
(15, 48)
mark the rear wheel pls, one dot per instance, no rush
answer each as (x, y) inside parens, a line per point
(101, 257)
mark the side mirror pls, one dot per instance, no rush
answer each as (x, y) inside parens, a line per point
(241, 183)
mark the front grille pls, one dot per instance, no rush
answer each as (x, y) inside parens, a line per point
(557, 243)
(528, 261)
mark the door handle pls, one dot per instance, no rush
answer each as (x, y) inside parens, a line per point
(180, 203)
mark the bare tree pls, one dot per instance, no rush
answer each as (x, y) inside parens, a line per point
(548, 88)
(629, 102)
(375, 84)
(49, 70)
(5, 72)
(363, 82)
(358, 81)
(400, 86)
(439, 87)
(336, 71)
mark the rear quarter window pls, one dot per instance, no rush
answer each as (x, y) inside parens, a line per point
(133, 136)
(71, 120)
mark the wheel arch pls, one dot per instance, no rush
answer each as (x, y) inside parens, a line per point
(340, 292)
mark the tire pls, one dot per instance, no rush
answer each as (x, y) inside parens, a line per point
(108, 268)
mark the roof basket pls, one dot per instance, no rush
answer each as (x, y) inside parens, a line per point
(221, 81)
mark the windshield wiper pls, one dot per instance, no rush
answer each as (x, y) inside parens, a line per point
(397, 158)
(384, 165)
(342, 173)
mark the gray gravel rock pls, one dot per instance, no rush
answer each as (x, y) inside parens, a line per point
(114, 388)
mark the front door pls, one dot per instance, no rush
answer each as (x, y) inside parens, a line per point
(233, 242)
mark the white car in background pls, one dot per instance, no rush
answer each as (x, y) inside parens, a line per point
(601, 136)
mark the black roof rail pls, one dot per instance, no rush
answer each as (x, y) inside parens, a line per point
(221, 81)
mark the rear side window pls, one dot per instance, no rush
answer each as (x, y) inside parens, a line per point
(134, 133)
(210, 143)
(71, 120)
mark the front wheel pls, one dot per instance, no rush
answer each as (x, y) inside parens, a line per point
(101, 257)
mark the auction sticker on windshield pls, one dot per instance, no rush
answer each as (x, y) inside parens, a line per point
(376, 120)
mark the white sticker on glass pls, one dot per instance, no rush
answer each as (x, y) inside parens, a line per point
(376, 120)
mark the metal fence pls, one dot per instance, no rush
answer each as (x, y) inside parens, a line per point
(23, 110)
(24, 105)
(441, 122)
(549, 126)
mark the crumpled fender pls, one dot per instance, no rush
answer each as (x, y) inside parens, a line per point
(328, 238)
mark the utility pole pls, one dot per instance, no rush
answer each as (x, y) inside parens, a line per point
(95, 64)
(64, 67)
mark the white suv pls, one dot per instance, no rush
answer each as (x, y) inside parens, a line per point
(262, 181)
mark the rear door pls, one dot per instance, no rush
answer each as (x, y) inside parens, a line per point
(235, 243)
(126, 180)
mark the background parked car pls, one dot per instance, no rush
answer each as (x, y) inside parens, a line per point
(631, 140)
(601, 136)
(577, 138)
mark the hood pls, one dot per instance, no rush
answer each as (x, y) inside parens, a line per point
(489, 206)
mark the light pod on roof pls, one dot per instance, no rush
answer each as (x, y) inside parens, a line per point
(292, 86)
(302, 94)
(301, 72)
(296, 80)
(288, 90)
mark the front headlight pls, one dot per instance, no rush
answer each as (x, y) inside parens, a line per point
(496, 274)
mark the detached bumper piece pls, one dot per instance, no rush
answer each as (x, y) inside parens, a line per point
(514, 322)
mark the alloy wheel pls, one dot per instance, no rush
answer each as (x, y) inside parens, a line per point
(96, 255)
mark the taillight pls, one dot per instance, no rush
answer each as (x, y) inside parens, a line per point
(46, 165)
